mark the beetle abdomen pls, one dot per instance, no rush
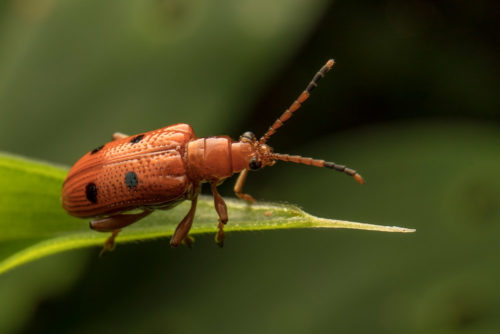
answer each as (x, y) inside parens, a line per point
(147, 180)
(138, 171)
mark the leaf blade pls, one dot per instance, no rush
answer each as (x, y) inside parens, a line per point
(31, 211)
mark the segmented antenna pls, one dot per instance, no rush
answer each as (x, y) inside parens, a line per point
(318, 163)
(298, 102)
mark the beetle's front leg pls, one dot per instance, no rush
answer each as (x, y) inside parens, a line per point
(221, 208)
(114, 224)
(238, 187)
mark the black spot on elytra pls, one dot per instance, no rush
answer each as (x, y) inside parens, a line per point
(136, 139)
(97, 149)
(131, 180)
(91, 192)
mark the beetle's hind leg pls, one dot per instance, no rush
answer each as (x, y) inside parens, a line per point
(114, 224)
(119, 135)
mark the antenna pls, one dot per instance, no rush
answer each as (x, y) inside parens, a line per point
(318, 163)
(298, 102)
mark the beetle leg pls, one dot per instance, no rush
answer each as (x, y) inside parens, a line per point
(182, 230)
(238, 187)
(114, 224)
(221, 208)
(109, 244)
(119, 135)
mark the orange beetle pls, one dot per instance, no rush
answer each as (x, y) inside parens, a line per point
(161, 168)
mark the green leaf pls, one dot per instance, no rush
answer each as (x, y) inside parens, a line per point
(34, 225)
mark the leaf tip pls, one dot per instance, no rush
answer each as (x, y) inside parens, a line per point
(402, 229)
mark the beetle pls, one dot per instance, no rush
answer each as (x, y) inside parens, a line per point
(123, 181)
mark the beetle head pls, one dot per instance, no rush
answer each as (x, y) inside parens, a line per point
(249, 154)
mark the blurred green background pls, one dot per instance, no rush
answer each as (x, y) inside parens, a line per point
(412, 104)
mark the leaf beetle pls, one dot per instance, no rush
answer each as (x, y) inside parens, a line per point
(123, 181)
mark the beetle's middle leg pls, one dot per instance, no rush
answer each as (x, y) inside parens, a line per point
(221, 208)
(114, 224)
(182, 230)
(238, 187)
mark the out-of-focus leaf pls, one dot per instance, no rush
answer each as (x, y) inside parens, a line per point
(96, 66)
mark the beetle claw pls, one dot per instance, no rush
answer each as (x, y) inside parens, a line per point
(188, 241)
(220, 236)
(108, 247)
(109, 244)
(104, 250)
(220, 242)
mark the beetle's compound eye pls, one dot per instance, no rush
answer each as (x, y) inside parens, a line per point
(255, 164)
(248, 136)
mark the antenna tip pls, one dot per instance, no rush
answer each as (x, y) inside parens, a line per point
(358, 178)
(330, 63)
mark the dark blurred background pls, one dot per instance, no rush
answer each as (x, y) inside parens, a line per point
(412, 103)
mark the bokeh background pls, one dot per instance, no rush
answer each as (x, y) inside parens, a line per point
(412, 104)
